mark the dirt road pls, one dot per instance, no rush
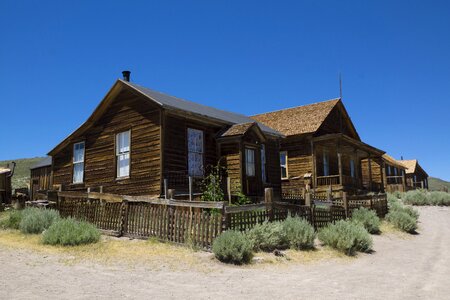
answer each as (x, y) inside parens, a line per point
(415, 267)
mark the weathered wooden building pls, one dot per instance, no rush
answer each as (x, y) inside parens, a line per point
(5, 185)
(386, 172)
(41, 178)
(416, 177)
(322, 149)
(137, 137)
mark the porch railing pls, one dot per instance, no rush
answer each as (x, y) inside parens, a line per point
(328, 180)
(351, 181)
(394, 179)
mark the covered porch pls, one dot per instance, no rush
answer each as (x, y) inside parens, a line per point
(338, 165)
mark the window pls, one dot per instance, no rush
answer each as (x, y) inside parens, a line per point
(195, 152)
(326, 164)
(249, 162)
(395, 171)
(123, 154)
(284, 164)
(352, 168)
(263, 163)
(78, 162)
(389, 170)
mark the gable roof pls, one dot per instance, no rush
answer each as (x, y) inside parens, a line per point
(237, 129)
(47, 161)
(167, 102)
(410, 165)
(171, 102)
(392, 161)
(301, 119)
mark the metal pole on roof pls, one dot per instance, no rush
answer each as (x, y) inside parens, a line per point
(340, 86)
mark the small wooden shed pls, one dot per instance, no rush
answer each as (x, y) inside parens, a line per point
(41, 177)
(5, 185)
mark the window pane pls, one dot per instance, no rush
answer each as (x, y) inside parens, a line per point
(263, 163)
(352, 168)
(78, 152)
(195, 164)
(283, 172)
(283, 158)
(326, 167)
(123, 165)
(123, 142)
(195, 140)
(250, 162)
(78, 170)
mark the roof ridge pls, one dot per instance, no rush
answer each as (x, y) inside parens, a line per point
(293, 107)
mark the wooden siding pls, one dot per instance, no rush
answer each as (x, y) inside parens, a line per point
(300, 162)
(337, 122)
(40, 180)
(5, 188)
(128, 111)
(231, 160)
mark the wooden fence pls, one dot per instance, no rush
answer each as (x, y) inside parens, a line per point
(196, 222)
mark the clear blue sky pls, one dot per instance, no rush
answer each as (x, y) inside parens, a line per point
(59, 58)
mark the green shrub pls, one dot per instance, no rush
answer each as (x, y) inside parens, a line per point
(69, 232)
(367, 218)
(232, 247)
(268, 236)
(36, 220)
(402, 220)
(439, 198)
(12, 221)
(415, 197)
(347, 237)
(299, 233)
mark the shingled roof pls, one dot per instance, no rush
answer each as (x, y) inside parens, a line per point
(238, 129)
(300, 119)
(410, 165)
(45, 162)
(392, 161)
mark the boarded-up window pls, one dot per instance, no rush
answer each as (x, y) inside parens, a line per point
(123, 142)
(284, 164)
(195, 152)
(78, 162)
(249, 162)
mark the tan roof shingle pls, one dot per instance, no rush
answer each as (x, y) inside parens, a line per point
(238, 129)
(298, 120)
(393, 161)
(410, 165)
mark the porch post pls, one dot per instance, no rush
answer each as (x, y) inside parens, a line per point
(369, 160)
(340, 167)
(383, 182)
(313, 156)
(403, 181)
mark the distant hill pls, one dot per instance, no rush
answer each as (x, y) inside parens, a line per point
(21, 176)
(436, 184)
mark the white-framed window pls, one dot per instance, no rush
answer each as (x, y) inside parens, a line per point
(326, 164)
(250, 162)
(195, 152)
(352, 168)
(263, 163)
(123, 146)
(284, 164)
(78, 162)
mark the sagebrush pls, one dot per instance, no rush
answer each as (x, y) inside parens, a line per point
(347, 237)
(36, 220)
(232, 247)
(366, 218)
(70, 232)
(268, 236)
(299, 233)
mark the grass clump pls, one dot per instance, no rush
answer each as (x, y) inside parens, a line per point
(268, 236)
(70, 232)
(347, 237)
(233, 247)
(366, 218)
(36, 220)
(299, 233)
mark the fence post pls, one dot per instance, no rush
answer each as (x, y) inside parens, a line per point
(101, 189)
(124, 218)
(268, 199)
(171, 193)
(229, 189)
(308, 199)
(190, 188)
(225, 219)
(345, 201)
(165, 189)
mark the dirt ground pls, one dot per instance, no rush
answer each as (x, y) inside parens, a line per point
(402, 267)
